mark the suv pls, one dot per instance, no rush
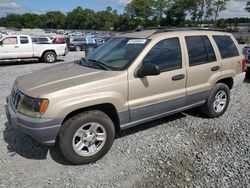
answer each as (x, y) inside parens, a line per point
(77, 43)
(129, 80)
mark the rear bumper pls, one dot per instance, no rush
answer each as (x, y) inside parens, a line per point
(44, 131)
(238, 79)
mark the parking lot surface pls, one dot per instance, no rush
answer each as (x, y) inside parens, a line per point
(177, 151)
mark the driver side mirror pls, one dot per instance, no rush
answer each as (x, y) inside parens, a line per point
(148, 70)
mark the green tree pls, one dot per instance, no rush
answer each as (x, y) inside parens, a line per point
(105, 20)
(12, 21)
(80, 18)
(140, 10)
(32, 21)
(248, 6)
(176, 13)
(219, 5)
(55, 20)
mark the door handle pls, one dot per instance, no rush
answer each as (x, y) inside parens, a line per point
(215, 68)
(178, 77)
(16, 46)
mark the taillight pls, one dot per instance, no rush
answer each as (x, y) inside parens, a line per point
(244, 65)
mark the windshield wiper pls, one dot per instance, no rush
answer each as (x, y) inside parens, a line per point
(100, 64)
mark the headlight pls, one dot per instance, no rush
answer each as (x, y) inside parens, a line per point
(34, 107)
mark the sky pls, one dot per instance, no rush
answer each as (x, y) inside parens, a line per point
(235, 8)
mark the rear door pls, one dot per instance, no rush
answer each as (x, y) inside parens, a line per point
(9, 48)
(202, 68)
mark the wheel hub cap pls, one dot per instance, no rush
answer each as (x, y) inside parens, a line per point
(89, 139)
(220, 101)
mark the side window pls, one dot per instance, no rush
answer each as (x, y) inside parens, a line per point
(226, 46)
(24, 40)
(209, 48)
(10, 41)
(166, 55)
(200, 50)
(34, 40)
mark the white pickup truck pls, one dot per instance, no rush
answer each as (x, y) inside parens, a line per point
(21, 47)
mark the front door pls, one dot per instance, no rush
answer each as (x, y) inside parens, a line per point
(155, 95)
(9, 48)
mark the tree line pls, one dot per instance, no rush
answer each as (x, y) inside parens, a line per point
(147, 13)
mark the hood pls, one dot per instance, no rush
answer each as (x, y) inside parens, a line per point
(59, 77)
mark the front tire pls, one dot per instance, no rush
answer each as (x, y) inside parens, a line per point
(86, 137)
(217, 102)
(50, 57)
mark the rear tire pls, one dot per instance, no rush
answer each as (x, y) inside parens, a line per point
(217, 101)
(86, 137)
(50, 57)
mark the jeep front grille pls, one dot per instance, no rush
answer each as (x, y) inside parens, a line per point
(15, 98)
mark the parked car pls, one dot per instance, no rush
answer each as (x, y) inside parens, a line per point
(241, 40)
(129, 80)
(99, 41)
(77, 43)
(76, 34)
(61, 40)
(41, 40)
(22, 47)
(246, 50)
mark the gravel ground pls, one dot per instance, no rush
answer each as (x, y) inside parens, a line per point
(184, 150)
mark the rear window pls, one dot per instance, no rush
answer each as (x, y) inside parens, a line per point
(226, 46)
(24, 40)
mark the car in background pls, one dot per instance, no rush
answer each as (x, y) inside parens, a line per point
(246, 50)
(41, 40)
(77, 44)
(74, 34)
(99, 41)
(241, 41)
(21, 47)
(61, 40)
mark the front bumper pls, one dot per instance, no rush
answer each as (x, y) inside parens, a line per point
(44, 131)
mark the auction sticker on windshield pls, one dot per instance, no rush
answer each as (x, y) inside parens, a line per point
(137, 41)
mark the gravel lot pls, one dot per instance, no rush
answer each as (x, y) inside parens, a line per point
(184, 150)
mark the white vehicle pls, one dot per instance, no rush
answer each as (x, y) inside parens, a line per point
(21, 47)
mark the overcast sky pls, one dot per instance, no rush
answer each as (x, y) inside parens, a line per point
(235, 8)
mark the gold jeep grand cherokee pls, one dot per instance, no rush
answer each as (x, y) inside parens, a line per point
(131, 79)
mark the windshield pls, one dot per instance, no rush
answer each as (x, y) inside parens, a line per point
(118, 53)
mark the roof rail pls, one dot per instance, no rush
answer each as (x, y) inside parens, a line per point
(170, 29)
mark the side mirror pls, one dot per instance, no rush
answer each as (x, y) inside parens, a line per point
(148, 70)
